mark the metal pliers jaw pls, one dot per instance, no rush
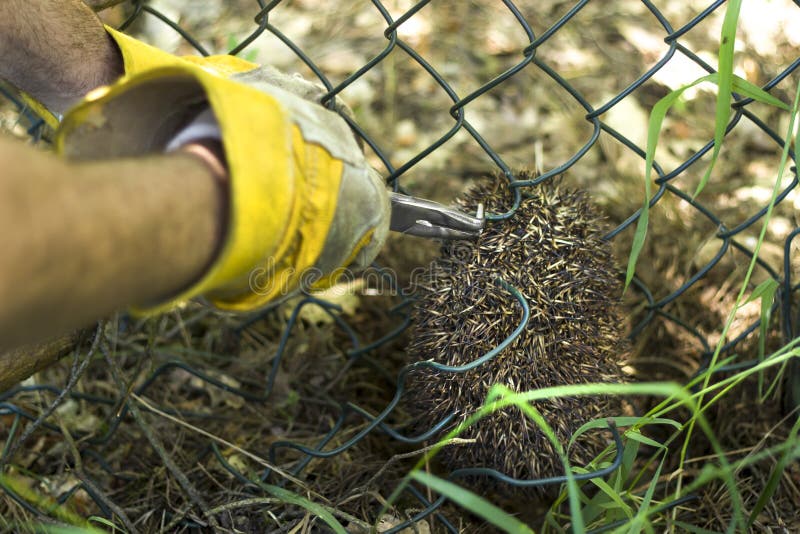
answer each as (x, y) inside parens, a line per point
(424, 218)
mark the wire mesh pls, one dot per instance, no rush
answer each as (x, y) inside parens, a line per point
(348, 423)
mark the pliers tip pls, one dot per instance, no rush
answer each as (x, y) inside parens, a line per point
(425, 218)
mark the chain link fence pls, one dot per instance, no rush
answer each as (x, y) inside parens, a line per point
(194, 368)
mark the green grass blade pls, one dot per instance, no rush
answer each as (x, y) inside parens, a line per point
(657, 116)
(500, 397)
(766, 292)
(629, 455)
(614, 496)
(740, 298)
(637, 436)
(624, 421)
(472, 502)
(638, 237)
(604, 502)
(724, 84)
(298, 500)
(572, 487)
(509, 396)
(745, 88)
(796, 144)
(106, 523)
(641, 518)
(19, 487)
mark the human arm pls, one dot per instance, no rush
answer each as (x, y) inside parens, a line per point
(55, 50)
(81, 240)
(300, 197)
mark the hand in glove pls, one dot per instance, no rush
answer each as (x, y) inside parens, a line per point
(303, 201)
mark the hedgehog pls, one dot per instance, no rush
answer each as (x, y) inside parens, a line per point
(552, 250)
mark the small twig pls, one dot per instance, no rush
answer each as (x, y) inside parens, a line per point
(96, 492)
(227, 507)
(100, 494)
(78, 367)
(191, 492)
(176, 518)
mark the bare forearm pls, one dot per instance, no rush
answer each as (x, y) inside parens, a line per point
(55, 50)
(82, 240)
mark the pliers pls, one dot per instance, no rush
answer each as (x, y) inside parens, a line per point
(424, 218)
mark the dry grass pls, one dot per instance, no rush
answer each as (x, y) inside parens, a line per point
(531, 122)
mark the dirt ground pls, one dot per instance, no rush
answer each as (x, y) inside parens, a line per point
(223, 399)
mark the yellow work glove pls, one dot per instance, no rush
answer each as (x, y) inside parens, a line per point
(304, 203)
